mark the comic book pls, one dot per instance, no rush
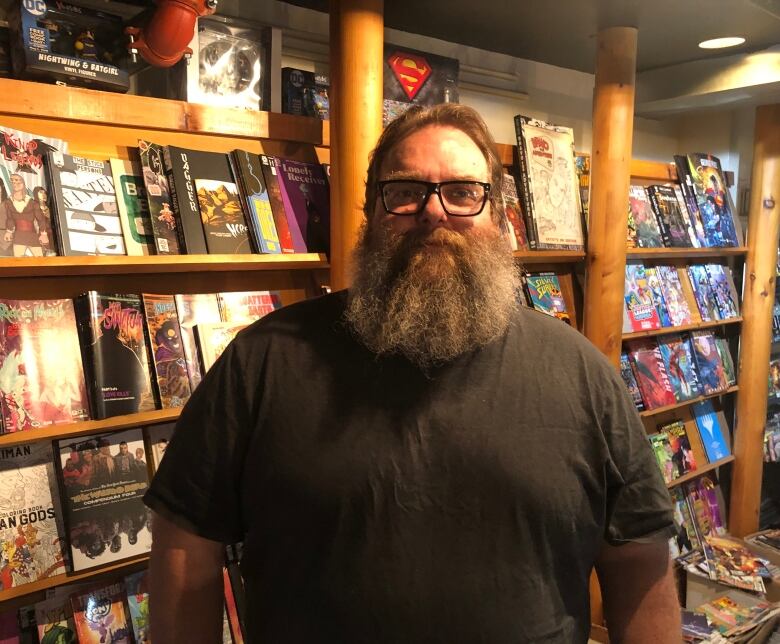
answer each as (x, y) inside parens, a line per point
(674, 296)
(113, 345)
(192, 309)
(165, 227)
(183, 197)
(693, 236)
(308, 195)
(672, 223)
(31, 525)
(103, 478)
(640, 306)
(100, 616)
(54, 620)
(164, 338)
(41, 377)
(710, 431)
(157, 439)
(702, 291)
(213, 339)
(277, 205)
(650, 373)
(683, 458)
(514, 213)
(680, 366)
(648, 234)
(711, 374)
(687, 194)
(133, 205)
(656, 292)
(736, 566)
(686, 538)
(544, 291)
(247, 306)
(663, 455)
(630, 379)
(25, 216)
(137, 589)
(724, 352)
(550, 185)
(723, 290)
(248, 172)
(83, 201)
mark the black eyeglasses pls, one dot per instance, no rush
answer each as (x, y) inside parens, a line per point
(405, 197)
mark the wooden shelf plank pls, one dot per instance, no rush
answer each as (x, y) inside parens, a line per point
(661, 410)
(75, 104)
(549, 256)
(683, 253)
(709, 467)
(127, 566)
(679, 329)
(84, 428)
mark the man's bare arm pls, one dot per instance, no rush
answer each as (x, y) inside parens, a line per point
(186, 592)
(640, 597)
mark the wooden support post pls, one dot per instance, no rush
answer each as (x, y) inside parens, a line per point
(613, 128)
(757, 302)
(356, 41)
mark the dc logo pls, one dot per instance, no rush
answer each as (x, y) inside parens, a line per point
(35, 7)
(296, 78)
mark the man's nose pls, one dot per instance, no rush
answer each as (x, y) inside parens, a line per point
(433, 215)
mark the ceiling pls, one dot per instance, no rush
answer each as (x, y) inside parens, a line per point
(562, 32)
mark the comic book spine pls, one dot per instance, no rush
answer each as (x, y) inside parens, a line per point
(689, 198)
(526, 194)
(277, 207)
(185, 199)
(663, 224)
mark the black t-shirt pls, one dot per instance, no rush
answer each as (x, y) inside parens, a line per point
(380, 504)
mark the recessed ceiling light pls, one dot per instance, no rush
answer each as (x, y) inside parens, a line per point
(720, 43)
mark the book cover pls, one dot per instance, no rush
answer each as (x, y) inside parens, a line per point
(710, 431)
(686, 538)
(298, 240)
(164, 337)
(544, 289)
(41, 377)
(547, 154)
(31, 526)
(722, 345)
(735, 565)
(514, 213)
(702, 291)
(165, 227)
(54, 621)
(113, 344)
(133, 207)
(192, 309)
(713, 200)
(711, 374)
(84, 204)
(214, 338)
(179, 172)
(137, 589)
(674, 296)
(680, 366)
(723, 290)
(25, 215)
(672, 223)
(640, 306)
(629, 378)
(647, 233)
(689, 199)
(104, 477)
(650, 373)
(248, 171)
(277, 204)
(247, 306)
(157, 439)
(222, 217)
(100, 616)
(656, 292)
(663, 455)
(308, 193)
(682, 455)
(689, 223)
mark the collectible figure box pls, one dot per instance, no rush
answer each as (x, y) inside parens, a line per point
(67, 43)
(305, 93)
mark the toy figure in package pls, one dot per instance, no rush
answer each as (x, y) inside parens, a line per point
(68, 44)
(305, 93)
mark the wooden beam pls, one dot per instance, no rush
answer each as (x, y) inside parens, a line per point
(757, 302)
(356, 42)
(613, 127)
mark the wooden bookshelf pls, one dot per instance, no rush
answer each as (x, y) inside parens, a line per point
(687, 403)
(549, 256)
(84, 428)
(684, 253)
(709, 467)
(666, 330)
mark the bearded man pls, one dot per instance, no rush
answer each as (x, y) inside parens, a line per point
(418, 459)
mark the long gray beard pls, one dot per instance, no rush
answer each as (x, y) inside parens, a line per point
(431, 296)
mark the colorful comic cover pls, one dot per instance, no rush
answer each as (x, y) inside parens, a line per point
(308, 196)
(680, 366)
(247, 306)
(158, 196)
(702, 494)
(711, 374)
(695, 626)
(650, 373)
(713, 200)
(723, 290)
(133, 206)
(630, 379)
(544, 290)
(100, 616)
(663, 455)
(733, 609)
(682, 454)
(104, 478)
(689, 222)
(686, 538)
(41, 377)
(222, 217)
(672, 223)
(113, 343)
(83, 201)
(213, 339)
(514, 213)
(137, 589)
(25, 217)
(736, 566)
(728, 362)
(31, 528)
(642, 312)
(277, 204)
(164, 337)
(654, 284)
(296, 234)
(674, 296)
(248, 172)
(647, 233)
(710, 431)
(54, 620)
(702, 291)
(157, 439)
(192, 309)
